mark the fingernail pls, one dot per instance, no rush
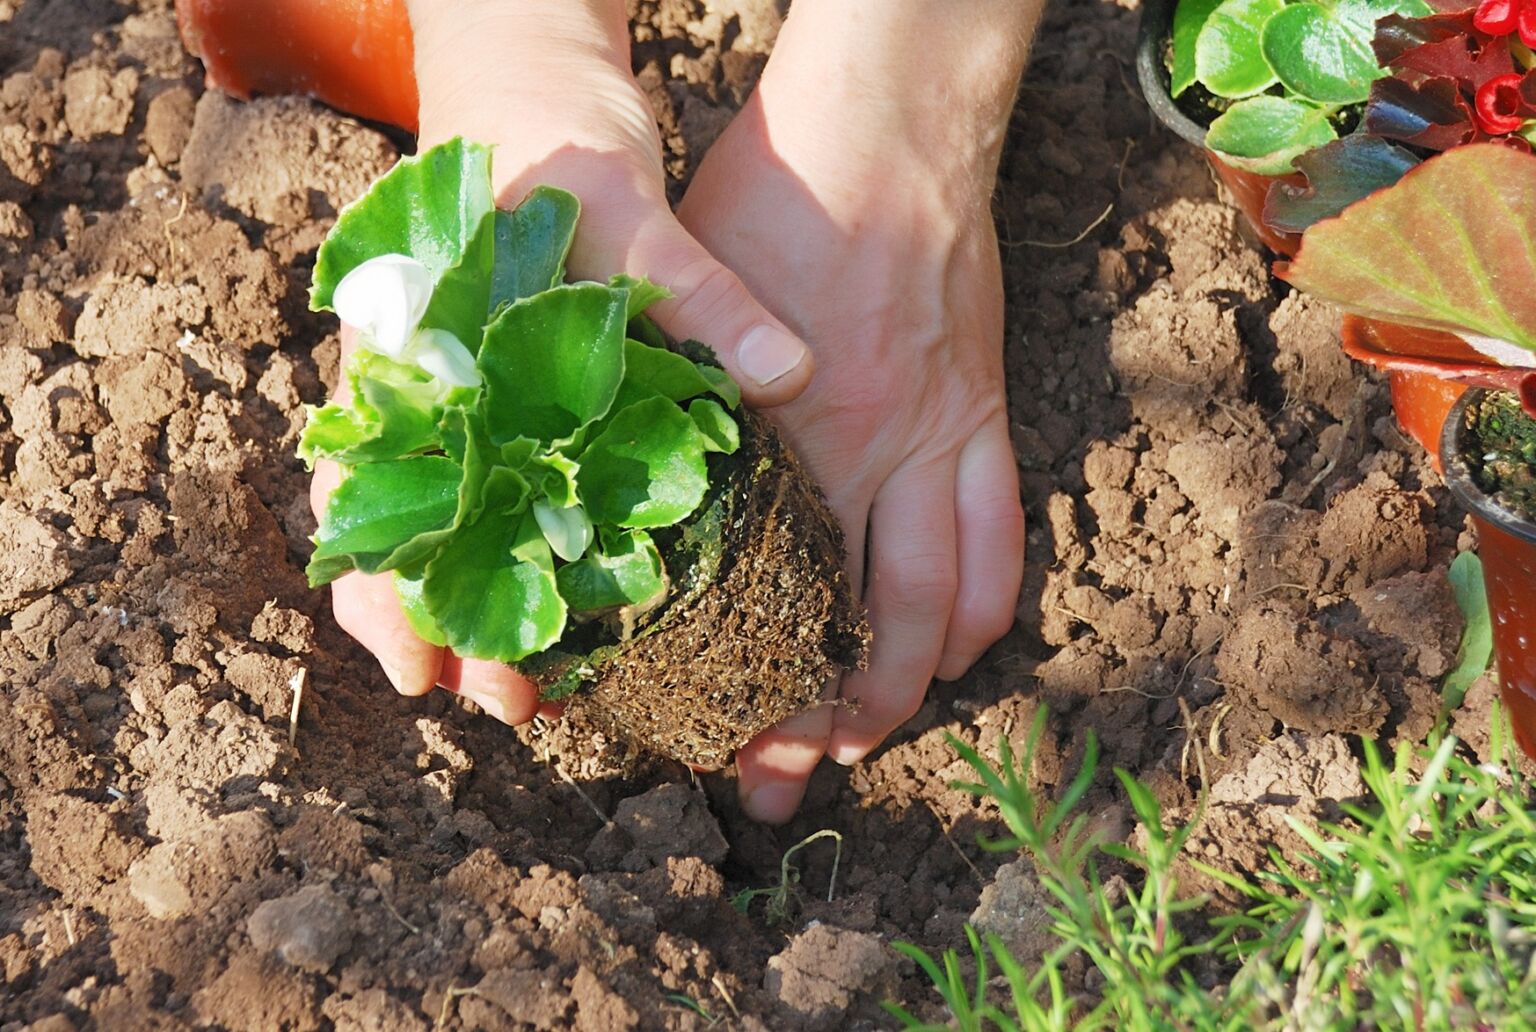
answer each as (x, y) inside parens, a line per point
(767, 353)
(393, 675)
(847, 753)
(774, 802)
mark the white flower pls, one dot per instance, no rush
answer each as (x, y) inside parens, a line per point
(384, 299)
(568, 531)
(444, 356)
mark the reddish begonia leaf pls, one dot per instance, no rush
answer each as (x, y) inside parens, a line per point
(1432, 114)
(1338, 174)
(1441, 45)
(1451, 247)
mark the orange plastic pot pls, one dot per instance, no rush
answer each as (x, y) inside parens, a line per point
(1248, 190)
(355, 55)
(1507, 547)
(1425, 368)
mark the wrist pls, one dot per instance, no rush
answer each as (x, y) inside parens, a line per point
(896, 86)
(536, 48)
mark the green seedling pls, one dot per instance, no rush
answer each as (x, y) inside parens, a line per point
(781, 897)
(510, 441)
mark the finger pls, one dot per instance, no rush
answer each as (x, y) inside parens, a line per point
(712, 305)
(989, 542)
(496, 688)
(774, 767)
(910, 592)
(368, 609)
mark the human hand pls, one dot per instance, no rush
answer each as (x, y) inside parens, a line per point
(872, 237)
(547, 82)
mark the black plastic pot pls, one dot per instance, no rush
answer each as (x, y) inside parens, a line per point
(1248, 189)
(1152, 73)
(1507, 547)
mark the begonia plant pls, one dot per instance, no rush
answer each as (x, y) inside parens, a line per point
(509, 441)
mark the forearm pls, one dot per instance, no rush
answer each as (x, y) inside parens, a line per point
(524, 42)
(925, 74)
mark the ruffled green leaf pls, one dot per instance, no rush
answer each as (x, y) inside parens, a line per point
(532, 243)
(642, 293)
(1228, 58)
(492, 590)
(394, 412)
(429, 207)
(721, 434)
(646, 469)
(652, 371)
(408, 589)
(626, 571)
(381, 506)
(461, 301)
(553, 362)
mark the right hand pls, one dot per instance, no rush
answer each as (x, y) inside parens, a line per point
(547, 82)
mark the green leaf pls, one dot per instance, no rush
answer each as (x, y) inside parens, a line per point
(428, 207)
(1452, 246)
(553, 476)
(646, 469)
(492, 590)
(382, 505)
(721, 434)
(644, 329)
(1188, 19)
(1265, 134)
(642, 293)
(1476, 648)
(721, 384)
(626, 571)
(553, 362)
(649, 371)
(532, 242)
(461, 301)
(1228, 58)
(408, 590)
(1322, 51)
(394, 412)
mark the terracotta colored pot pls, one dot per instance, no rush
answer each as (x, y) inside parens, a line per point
(355, 55)
(1507, 546)
(1248, 189)
(1424, 366)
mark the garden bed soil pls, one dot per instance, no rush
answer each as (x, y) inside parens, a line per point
(1235, 563)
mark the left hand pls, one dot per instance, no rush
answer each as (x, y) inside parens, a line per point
(886, 263)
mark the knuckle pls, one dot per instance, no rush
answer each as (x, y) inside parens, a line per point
(709, 293)
(920, 587)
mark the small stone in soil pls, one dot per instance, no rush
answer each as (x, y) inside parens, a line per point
(309, 928)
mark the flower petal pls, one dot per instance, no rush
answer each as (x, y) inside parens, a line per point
(568, 531)
(444, 356)
(385, 298)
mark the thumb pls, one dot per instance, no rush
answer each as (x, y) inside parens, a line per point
(712, 305)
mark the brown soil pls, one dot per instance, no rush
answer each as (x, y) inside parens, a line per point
(1234, 556)
(771, 620)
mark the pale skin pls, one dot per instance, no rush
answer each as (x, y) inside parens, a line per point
(837, 250)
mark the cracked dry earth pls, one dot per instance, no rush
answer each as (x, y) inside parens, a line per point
(1232, 550)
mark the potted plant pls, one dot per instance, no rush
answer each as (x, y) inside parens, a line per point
(1444, 77)
(1259, 84)
(1451, 248)
(553, 485)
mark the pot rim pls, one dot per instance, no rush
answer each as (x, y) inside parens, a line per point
(1458, 474)
(1156, 25)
